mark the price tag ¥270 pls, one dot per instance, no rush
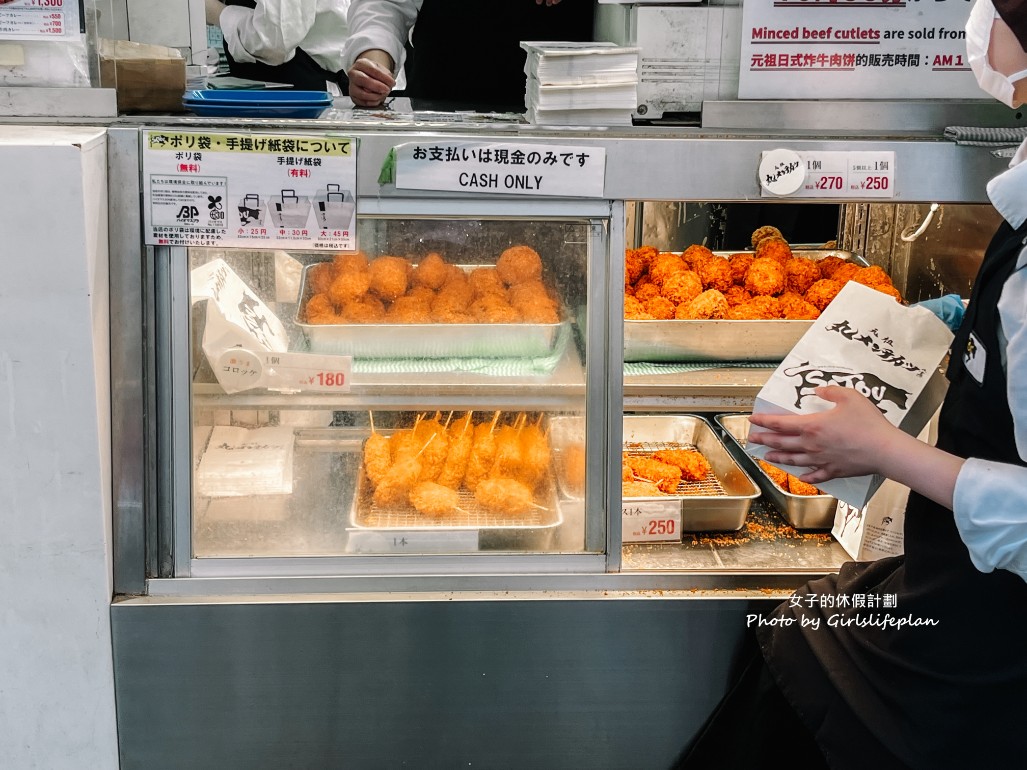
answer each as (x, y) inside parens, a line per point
(650, 521)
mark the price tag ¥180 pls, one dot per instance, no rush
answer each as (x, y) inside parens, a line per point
(650, 521)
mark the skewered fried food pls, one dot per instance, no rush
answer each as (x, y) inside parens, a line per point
(433, 499)
(797, 487)
(402, 445)
(321, 310)
(433, 447)
(534, 455)
(694, 254)
(431, 271)
(572, 462)
(377, 457)
(765, 276)
(828, 265)
(389, 277)
(872, 276)
(683, 286)
(461, 440)
(640, 489)
(365, 310)
(394, 488)
(508, 453)
(660, 308)
(486, 280)
(739, 266)
(767, 231)
(320, 277)
(800, 274)
(822, 292)
(506, 496)
(483, 454)
(349, 285)
(626, 474)
(736, 295)
(759, 308)
(776, 475)
(694, 466)
(645, 290)
(795, 308)
(845, 272)
(715, 273)
(637, 262)
(774, 247)
(519, 264)
(350, 260)
(709, 304)
(663, 267)
(664, 475)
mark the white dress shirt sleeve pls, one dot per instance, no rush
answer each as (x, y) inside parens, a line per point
(269, 33)
(990, 499)
(381, 24)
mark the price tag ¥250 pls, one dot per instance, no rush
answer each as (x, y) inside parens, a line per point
(650, 521)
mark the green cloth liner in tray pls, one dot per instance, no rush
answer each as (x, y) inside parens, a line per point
(643, 368)
(492, 367)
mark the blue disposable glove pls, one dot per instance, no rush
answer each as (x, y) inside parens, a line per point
(948, 308)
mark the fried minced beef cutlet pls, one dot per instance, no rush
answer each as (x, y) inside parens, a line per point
(872, 276)
(828, 265)
(664, 266)
(660, 308)
(759, 308)
(694, 466)
(765, 276)
(645, 290)
(822, 292)
(739, 265)
(695, 253)
(637, 262)
(767, 231)
(845, 272)
(683, 286)
(795, 308)
(711, 304)
(800, 274)
(887, 288)
(736, 295)
(774, 248)
(716, 273)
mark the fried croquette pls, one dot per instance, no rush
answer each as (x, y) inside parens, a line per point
(716, 273)
(708, 305)
(632, 307)
(640, 489)
(321, 310)
(485, 280)
(636, 263)
(350, 260)
(364, 310)
(519, 264)
(683, 286)
(660, 308)
(694, 466)
(765, 276)
(800, 274)
(422, 293)
(408, 310)
(736, 295)
(767, 231)
(828, 265)
(774, 248)
(389, 277)
(822, 292)
(695, 253)
(493, 309)
(645, 290)
(759, 308)
(349, 285)
(739, 266)
(872, 276)
(320, 277)
(845, 272)
(797, 487)
(795, 308)
(453, 296)
(887, 288)
(431, 271)
(663, 267)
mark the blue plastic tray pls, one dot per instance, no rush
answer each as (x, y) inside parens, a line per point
(281, 104)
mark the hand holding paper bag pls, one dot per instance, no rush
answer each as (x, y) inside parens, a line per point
(874, 364)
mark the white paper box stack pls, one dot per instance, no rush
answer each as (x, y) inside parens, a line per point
(580, 83)
(241, 461)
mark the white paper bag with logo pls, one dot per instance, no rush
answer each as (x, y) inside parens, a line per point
(866, 341)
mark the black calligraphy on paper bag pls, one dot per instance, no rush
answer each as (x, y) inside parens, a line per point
(870, 385)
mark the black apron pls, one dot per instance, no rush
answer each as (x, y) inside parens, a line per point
(468, 51)
(301, 71)
(949, 695)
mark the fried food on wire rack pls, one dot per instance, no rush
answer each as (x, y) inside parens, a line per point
(664, 475)
(506, 496)
(693, 464)
(433, 499)
(640, 489)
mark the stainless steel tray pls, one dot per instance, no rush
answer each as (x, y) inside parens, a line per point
(801, 511)
(429, 340)
(663, 341)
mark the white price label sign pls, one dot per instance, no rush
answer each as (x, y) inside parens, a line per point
(411, 541)
(238, 369)
(650, 521)
(855, 174)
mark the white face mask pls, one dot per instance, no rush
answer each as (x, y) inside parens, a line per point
(978, 40)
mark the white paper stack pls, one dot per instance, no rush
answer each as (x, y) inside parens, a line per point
(242, 461)
(583, 84)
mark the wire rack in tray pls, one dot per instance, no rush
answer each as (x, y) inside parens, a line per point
(708, 487)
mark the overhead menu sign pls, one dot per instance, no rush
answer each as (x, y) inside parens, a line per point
(255, 190)
(855, 49)
(41, 20)
(492, 167)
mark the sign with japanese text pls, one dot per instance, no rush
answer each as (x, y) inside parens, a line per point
(41, 20)
(651, 521)
(819, 174)
(488, 167)
(250, 190)
(855, 49)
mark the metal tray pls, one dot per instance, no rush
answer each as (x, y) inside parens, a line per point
(430, 340)
(801, 511)
(723, 340)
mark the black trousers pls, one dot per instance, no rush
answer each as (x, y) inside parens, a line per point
(753, 728)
